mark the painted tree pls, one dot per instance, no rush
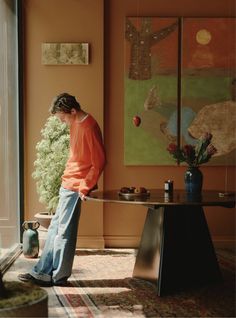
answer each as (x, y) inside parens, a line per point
(141, 43)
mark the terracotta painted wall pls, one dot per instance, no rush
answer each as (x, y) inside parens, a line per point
(82, 20)
(62, 21)
(123, 224)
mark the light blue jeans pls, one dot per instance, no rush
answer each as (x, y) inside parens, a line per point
(55, 263)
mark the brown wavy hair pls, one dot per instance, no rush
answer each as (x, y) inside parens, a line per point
(64, 103)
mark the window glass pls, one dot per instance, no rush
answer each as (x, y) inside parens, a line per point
(9, 140)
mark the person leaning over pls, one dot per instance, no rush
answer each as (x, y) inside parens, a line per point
(83, 168)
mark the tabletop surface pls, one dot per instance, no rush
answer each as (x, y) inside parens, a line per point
(158, 197)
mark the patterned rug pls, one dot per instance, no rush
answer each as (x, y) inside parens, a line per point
(102, 286)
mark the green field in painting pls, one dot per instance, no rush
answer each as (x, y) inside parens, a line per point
(146, 144)
(197, 89)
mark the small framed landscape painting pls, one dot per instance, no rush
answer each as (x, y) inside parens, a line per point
(65, 53)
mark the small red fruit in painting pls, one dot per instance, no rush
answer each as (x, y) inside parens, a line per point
(136, 120)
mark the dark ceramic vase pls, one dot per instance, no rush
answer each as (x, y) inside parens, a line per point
(30, 239)
(193, 179)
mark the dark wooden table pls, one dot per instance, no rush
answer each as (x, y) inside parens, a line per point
(176, 249)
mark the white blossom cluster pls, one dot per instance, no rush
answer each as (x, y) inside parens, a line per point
(51, 157)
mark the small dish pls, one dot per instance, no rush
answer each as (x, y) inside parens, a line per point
(134, 195)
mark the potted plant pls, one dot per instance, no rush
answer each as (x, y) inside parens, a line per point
(51, 156)
(22, 300)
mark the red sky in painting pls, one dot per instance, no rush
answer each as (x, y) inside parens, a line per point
(218, 53)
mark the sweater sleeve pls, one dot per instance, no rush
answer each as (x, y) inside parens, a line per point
(96, 157)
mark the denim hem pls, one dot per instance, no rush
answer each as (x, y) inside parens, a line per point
(56, 260)
(41, 276)
(61, 280)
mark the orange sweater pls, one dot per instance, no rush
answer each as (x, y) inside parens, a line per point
(86, 158)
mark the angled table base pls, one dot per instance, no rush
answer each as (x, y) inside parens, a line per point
(176, 250)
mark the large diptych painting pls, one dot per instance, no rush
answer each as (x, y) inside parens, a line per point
(151, 71)
(208, 83)
(180, 82)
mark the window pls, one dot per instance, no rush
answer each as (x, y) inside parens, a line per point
(9, 129)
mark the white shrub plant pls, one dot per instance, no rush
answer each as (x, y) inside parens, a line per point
(51, 156)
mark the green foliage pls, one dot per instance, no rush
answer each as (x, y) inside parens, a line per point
(20, 294)
(51, 157)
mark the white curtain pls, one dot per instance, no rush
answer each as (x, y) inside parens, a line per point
(9, 147)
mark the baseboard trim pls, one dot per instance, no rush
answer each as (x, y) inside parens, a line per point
(121, 241)
(107, 241)
(96, 242)
(133, 241)
(118, 241)
(224, 241)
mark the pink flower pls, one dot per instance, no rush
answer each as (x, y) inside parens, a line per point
(194, 155)
(188, 150)
(172, 148)
(211, 150)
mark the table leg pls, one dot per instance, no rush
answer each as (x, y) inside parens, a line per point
(176, 250)
(149, 253)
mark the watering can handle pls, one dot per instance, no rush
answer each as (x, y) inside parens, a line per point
(37, 225)
(25, 226)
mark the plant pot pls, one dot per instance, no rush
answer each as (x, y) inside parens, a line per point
(24, 300)
(44, 219)
(193, 179)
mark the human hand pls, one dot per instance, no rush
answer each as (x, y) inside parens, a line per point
(82, 196)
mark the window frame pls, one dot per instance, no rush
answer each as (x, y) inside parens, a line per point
(16, 250)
